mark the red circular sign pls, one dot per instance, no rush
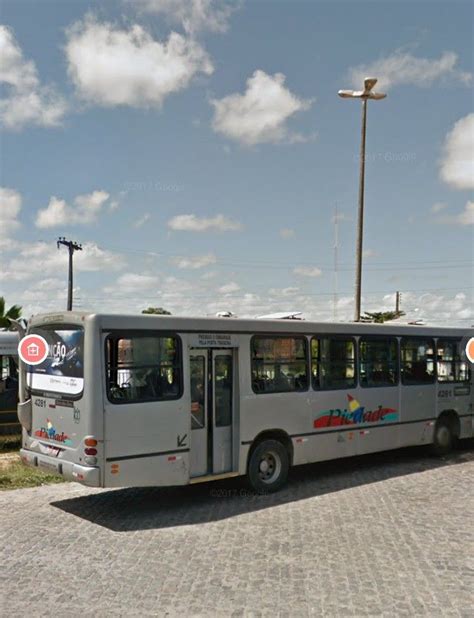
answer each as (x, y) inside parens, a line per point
(470, 349)
(33, 349)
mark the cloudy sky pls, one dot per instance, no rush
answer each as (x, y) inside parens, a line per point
(198, 150)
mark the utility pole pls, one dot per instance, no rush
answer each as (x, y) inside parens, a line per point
(72, 246)
(336, 247)
(364, 95)
(398, 299)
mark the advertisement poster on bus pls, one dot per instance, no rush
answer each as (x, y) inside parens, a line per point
(61, 371)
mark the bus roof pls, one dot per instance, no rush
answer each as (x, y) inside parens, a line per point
(8, 343)
(240, 325)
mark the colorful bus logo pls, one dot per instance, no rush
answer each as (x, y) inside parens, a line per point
(49, 433)
(354, 414)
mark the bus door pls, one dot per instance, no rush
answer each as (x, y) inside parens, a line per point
(418, 391)
(212, 411)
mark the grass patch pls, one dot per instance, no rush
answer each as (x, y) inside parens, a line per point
(15, 475)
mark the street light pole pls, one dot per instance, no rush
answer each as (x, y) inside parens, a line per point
(72, 246)
(360, 215)
(365, 95)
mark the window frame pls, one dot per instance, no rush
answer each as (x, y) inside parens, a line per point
(200, 358)
(129, 334)
(58, 394)
(435, 360)
(397, 360)
(306, 360)
(339, 336)
(456, 340)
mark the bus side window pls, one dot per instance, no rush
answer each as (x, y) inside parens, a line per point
(378, 361)
(336, 365)
(279, 364)
(315, 362)
(451, 368)
(143, 368)
(417, 360)
(198, 385)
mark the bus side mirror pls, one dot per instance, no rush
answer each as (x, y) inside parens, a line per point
(25, 414)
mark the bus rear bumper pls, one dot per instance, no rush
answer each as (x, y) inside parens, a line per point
(87, 475)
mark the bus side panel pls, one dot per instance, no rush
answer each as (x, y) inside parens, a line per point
(141, 437)
(154, 471)
(147, 443)
(418, 406)
(458, 397)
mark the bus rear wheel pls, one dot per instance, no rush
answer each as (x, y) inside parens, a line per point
(268, 467)
(443, 439)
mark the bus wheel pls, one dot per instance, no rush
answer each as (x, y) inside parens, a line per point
(268, 467)
(443, 439)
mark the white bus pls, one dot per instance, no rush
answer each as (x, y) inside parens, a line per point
(9, 383)
(162, 400)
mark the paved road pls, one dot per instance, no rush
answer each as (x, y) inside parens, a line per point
(387, 535)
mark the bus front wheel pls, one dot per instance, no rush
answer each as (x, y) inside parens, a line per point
(268, 467)
(443, 439)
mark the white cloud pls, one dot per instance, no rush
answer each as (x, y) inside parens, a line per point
(10, 206)
(194, 262)
(307, 271)
(193, 223)
(31, 261)
(49, 284)
(457, 166)
(438, 207)
(27, 102)
(142, 220)
(466, 217)
(291, 291)
(193, 15)
(260, 114)
(111, 67)
(130, 283)
(47, 259)
(402, 68)
(86, 210)
(229, 288)
(287, 232)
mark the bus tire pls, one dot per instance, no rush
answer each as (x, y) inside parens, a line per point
(444, 438)
(268, 467)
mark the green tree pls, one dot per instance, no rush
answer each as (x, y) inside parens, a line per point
(379, 317)
(14, 313)
(156, 311)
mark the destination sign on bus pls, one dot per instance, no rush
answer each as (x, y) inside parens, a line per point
(213, 340)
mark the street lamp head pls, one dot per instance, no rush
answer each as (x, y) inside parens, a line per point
(377, 95)
(369, 83)
(346, 94)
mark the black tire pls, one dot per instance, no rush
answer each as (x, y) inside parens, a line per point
(443, 438)
(268, 467)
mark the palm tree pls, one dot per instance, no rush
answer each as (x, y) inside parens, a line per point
(14, 313)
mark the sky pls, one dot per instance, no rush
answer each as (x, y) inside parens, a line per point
(198, 151)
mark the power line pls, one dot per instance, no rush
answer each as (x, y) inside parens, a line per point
(252, 263)
(297, 294)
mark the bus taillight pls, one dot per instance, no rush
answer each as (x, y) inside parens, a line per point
(90, 442)
(90, 451)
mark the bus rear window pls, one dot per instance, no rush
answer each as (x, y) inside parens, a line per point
(63, 370)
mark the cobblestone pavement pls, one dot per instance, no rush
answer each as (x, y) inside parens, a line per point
(386, 535)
